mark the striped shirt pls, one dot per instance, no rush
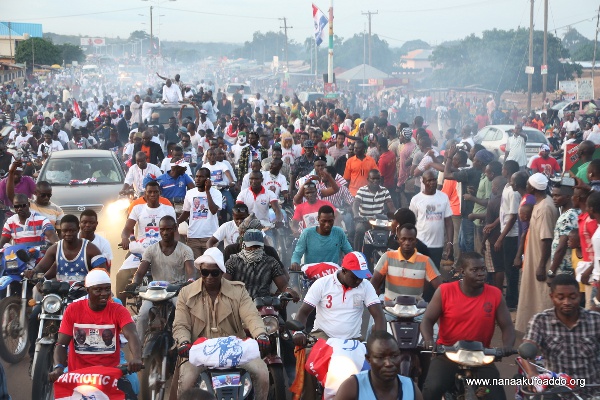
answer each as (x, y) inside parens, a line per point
(53, 212)
(340, 199)
(405, 277)
(32, 232)
(257, 276)
(372, 204)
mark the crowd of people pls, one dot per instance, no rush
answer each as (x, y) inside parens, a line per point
(522, 238)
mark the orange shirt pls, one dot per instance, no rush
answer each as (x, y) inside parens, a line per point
(141, 200)
(357, 172)
(146, 149)
(449, 188)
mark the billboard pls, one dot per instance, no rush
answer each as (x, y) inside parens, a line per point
(91, 41)
(571, 160)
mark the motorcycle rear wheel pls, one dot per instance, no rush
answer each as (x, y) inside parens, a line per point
(13, 337)
(42, 388)
(152, 375)
(277, 389)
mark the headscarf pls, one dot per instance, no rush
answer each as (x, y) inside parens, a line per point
(407, 133)
(357, 122)
(485, 156)
(252, 236)
(538, 181)
(251, 222)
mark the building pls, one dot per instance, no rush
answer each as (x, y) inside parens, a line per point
(417, 60)
(11, 33)
(12, 73)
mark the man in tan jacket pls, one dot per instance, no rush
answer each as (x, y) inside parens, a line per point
(214, 307)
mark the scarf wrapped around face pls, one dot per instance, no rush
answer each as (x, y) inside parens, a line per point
(251, 256)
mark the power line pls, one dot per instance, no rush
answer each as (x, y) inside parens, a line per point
(442, 8)
(77, 15)
(369, 14)
(219, 14)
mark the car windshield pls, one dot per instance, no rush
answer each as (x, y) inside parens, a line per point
(234, 88)
(560, 105)
(534, 136)
(165, 113)
(76, 171)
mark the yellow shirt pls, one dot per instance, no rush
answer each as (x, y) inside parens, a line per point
(574, 261)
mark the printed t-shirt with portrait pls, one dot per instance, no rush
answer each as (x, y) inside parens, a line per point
(274, 184)
(307, 214)
(95, 334)
(147, 220)
(217, 173)
(202, 223)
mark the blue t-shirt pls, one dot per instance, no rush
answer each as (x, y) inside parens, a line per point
(172, 187)
(318, 248)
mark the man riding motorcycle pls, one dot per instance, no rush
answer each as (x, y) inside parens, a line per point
(197, 306)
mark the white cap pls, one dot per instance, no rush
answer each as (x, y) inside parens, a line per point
(97, 276)
(211, 256)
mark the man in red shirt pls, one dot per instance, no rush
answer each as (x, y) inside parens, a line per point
(306, 214)
(91, 328)
(545, 163)
(465, 310)
(387, 167)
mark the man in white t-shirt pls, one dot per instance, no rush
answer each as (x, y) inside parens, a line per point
(434, 218)
(258, 199)
(136, 174)
(237, 148)
(146, 216)
(260, 104)
(228, 233)
(339, 300)
(273, 180)
(570, 125)
(201, 206)
(220, 176)
(88, 222)
(516, 146)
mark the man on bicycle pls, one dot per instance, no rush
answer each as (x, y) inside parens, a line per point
(92, 317)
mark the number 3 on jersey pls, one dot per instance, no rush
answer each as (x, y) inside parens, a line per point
(329, 300)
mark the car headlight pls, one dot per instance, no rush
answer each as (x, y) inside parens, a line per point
(247, 385)
(117, 206)
(271, 324)
(51, 303)
(470, 358)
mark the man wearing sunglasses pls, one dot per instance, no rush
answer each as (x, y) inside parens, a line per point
(27, 227)
(197, 306)
(42, 204)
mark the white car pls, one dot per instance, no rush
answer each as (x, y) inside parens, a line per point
(231, 88)
(494, 138)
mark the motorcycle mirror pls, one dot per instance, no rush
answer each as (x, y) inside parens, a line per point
(22, 255)
(422, 304)
(294, 325)
(528, 350)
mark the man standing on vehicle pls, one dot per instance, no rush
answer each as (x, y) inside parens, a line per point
(200, 206)
(146, 216)
(136, 174)
(567, 335)
(199, 302)
(338, 300)
(171, 93)
(171, 261)
(321, 243)
(516, 146)
(465, 310)
(95, 315)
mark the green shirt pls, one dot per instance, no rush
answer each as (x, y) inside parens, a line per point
(582, 172)
(483, 192)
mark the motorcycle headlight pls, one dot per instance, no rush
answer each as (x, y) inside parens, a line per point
(271, 324)
(51, 304)
(11, 265)
(470, 358)
(247, 385)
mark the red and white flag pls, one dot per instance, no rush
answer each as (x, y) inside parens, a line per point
(320, 22)
(76, 108)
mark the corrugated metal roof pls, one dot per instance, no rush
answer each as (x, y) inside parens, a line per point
(20, 28)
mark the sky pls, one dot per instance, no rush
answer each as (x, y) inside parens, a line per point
(235, 21)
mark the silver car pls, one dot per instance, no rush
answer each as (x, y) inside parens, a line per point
(494, 138)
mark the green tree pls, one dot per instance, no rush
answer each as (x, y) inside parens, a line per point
(584, 52)
(497, 60)
(414, 45)
(138, 35)
(43, 51)
(70, 52)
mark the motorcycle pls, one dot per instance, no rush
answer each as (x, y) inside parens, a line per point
(468, 355)
(230, 383)
(57, 296)
(158, 351)
(403, 325)
(377, 237)
(564, 387)
(13, 309)
(268, 308)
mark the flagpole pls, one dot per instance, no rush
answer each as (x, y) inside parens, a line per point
(330, 59)
(316, 61)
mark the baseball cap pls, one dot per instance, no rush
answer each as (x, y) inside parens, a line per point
(254, 237)
(180, 163)
(544, 147)
(97, 276)
(183, 129)
(211, 255)
(357, 263)
(308, 143)
(203, 112)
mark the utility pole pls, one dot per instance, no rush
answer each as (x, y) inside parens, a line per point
(368, 14)
(530, 64)
(151, 34)
(285, 29)
(545, 57)
(595, 45)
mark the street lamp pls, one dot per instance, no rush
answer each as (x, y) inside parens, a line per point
(157, 3)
